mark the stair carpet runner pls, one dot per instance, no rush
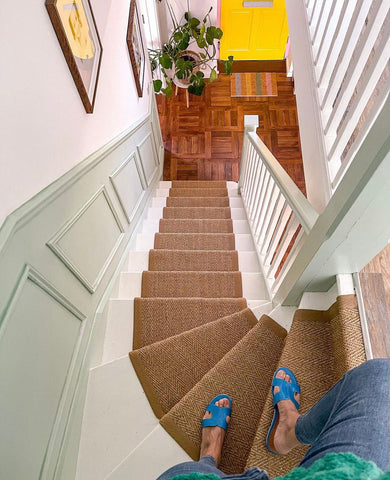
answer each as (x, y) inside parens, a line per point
(194, 336)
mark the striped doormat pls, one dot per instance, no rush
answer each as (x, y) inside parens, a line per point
(253, 85)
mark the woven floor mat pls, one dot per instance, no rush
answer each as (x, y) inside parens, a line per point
(198, 192)
(198, 202)
(169, 225)
(193, 260)
(191, 284)
(197, 212)
(245, 374)
(158, 318)
(189, 355)
(199, 184)
(310, 354)
(195, 241)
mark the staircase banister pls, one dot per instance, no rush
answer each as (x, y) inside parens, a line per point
(300, 205)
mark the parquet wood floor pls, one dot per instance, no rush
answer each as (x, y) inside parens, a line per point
(204, 141)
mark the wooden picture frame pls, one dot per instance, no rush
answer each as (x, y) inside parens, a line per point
(135, 45)
(76, 30)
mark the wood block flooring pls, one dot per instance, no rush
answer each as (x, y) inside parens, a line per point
(375, 284)
(204, 141)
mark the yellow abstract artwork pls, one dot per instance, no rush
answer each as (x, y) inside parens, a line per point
(76, 28)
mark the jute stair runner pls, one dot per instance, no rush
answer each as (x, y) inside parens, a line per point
(159, 318)
(199, 241)
(244, 373)
(207, 344)
(191, 284)
(204, 225)
(197, 201)
(320, 347)
(192, 260)
(201, 192)
(197, 212)
(195, 338)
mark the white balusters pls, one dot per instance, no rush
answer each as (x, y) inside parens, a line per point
(350, 50)
(275, 207)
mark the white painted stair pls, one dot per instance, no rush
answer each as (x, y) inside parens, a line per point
(121, 438)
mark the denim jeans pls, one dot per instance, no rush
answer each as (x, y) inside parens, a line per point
(354, 416)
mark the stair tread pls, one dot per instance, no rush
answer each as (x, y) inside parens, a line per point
(244, 373)
(311, 352)
(172, 225)
(158, 318)
(191, 284)
(190, 355)
(195, 241)
(192, 260)
(197, 212)
(197, 202)
(198, 192)
(199, 184)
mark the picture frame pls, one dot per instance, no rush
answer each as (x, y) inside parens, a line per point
(74, 24)
(136, 48)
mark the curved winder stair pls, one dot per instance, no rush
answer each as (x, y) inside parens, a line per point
(195, 337)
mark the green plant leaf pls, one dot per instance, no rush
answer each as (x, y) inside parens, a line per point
(178, 37)
(202, 55)
(213, 76)
(168, 90)
(157, 84)
(201, 42)
(187, 15)
(228, 65)
(211, 35)
(153, 64)
(194, 22)
(218, 33)
(196, 89)
(183, 45)
(165, 61)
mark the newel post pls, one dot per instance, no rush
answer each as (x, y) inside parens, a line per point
(251, 122)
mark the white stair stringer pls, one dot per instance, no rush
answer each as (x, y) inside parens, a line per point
(120, 433)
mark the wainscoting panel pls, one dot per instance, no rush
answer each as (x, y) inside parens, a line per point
(59, 254)
(76, 245)
(148, 156)
(36, 353)
(129, 172)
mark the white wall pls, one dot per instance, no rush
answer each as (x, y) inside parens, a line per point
(197, 9)
(45, 130)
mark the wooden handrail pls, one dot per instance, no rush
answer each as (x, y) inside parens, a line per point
(300, 205)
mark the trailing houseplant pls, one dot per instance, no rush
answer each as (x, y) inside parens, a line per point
(173, 61)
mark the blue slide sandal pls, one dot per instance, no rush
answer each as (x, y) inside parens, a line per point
(218, 414)
(287, 392)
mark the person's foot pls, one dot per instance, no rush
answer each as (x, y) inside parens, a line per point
(284, 439)
(213, 437)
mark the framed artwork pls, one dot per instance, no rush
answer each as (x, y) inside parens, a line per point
(76, 30)
(136, 47)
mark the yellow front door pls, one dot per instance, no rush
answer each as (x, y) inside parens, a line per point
(253, 33)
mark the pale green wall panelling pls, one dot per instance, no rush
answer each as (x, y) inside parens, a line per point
(129, 198)
(75, 244)
(58, 255)
(146, 149)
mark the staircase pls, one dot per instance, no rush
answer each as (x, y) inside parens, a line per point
(201, 328)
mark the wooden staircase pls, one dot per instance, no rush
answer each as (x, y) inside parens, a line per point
(234, 354)
(201, 328)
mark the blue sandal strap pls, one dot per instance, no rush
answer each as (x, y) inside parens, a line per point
(287, 389)
(218, 414)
